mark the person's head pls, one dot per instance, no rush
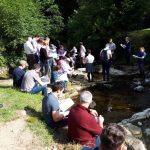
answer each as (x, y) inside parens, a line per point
(81, 43)
(37, 67)
(86, 98)
(58, 88)
(23, 64)
(142, 49)
(37, 37)
(110, 40)
(112, 137)
(89, 51)
(127, 39)
(29, 39)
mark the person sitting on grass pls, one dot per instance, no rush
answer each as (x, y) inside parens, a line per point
(112, 137)
(84, 124)
(18, 74)
(50, 107)
(32, 83)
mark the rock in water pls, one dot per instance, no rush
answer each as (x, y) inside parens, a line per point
(139, 88)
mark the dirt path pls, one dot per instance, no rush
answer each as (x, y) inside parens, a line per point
(15, 135)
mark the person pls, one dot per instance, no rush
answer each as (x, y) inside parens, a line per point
(84, 124)
(105, 57)
(127, 48)
(111, 45)
(73, 54)
(32, 83)
(61, 51)
(141, 55)
(34, 42)
(112, 137)
(18, 73)
(89, 60)
(51, 110)
(30, 53)
(82, 53)
(44, 59)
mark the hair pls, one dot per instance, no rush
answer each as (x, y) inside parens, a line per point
(36, 66)
(81, 43)
(113, 135)
(86, 97)
(57, 86)
(89, 51)
(37, 36)
(142, 47)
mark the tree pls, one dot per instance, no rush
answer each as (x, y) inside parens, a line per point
(98, 19)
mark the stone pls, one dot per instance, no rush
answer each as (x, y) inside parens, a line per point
(136, 131)
(139, 123)
(116, 72)
(147, 81)
(109, 86)
(134, 143)
(140, 115)
(147, 132)
(136, 83)
(139, 88)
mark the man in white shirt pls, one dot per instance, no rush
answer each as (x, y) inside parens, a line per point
(36, 47)
(30, 53)
(82, 53)
(111, 45)
(89, 60)
(105, 56)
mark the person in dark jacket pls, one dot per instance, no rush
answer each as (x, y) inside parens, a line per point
(18, 74)
(141, 55)
(44, 58)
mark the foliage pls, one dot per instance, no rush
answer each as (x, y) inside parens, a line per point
(22, 18)
(52, 14)
(100, 19)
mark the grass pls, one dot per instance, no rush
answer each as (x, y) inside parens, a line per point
(14, 100)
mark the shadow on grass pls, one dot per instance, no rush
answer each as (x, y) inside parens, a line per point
(59, 135)
(6, 86)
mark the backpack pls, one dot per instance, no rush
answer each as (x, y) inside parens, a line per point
(104, 56)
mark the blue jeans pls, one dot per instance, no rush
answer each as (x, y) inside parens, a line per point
(97, 145)
(37, 89)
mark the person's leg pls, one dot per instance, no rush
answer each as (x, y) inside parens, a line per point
(88, 75)
(107, 70)
(103, 71)
(62, 123)
(37, 89)
(97, 143)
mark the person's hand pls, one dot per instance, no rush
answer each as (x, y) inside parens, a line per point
(93, 112)
(100, 121)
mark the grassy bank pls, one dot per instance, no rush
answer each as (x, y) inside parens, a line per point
(14, 101)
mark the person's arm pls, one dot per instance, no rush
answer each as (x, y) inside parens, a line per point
(57, 116)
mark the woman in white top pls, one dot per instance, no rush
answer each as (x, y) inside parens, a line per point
(89, 60)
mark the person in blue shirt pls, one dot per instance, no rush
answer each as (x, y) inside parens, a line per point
(141, 55)
(18, 74)
(53, 117)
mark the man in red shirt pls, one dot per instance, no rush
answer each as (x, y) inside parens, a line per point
(84, 124)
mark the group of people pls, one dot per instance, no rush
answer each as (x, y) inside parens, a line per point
(84, 124)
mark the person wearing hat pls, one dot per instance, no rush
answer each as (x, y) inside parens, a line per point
(84, 124)
(105, 57)
(18, 73)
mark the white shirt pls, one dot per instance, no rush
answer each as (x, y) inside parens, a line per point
(89, 59)
(82, 51)
(35, 44)
(28, 47)
(112, 46)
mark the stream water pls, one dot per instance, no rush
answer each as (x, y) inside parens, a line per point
(119, 102)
